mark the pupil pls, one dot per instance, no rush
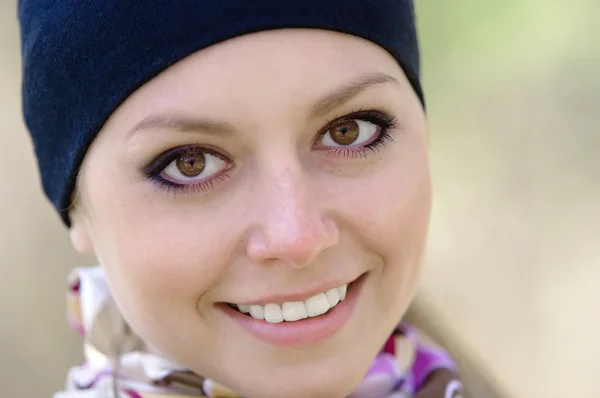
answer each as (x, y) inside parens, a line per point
(345, 133)
(191, 165)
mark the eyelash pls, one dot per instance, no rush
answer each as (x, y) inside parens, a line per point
(382, 120)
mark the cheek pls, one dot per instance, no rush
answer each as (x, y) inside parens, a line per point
(390, 212)
(159, 261)
(390, 207)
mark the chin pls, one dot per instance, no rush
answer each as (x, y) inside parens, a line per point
(318, 382)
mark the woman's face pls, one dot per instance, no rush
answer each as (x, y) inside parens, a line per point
(263, 171)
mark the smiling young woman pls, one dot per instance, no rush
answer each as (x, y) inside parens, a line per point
(256, 192)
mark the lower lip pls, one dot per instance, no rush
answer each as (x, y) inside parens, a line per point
(300, 333)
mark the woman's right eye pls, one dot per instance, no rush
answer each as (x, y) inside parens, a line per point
(192, 166)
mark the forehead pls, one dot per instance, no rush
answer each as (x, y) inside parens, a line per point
(259, 72)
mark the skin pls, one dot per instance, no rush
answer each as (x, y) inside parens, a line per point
(289, 216)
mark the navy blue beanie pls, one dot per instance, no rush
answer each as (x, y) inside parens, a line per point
(82, 59)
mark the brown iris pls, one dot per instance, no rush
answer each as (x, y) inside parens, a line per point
(191, 165)
(344, 133)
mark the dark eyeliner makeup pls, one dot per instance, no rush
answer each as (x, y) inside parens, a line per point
(382, 120)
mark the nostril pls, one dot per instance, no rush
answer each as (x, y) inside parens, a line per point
(296, 242)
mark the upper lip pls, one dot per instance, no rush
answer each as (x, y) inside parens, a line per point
(297, 296)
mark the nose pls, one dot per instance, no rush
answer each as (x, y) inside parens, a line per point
(294, 228)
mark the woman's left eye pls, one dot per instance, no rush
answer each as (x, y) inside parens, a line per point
(353, 134)
(350, 133)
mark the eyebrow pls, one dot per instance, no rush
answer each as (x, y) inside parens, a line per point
(348, 91)
(321, 107)
(183, 124)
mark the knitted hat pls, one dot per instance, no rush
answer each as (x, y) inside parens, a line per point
(82, 59)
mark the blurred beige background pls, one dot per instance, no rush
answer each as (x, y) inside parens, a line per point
(514, 262)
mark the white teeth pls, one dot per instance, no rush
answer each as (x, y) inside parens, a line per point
(297, 310)
(257, 311)
(244, 308)
(317, 305)
(294, 311)
(333, 296)
(342, 292)
(273, 313)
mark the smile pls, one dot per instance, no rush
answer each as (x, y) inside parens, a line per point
(299, 322)
(292, 311)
